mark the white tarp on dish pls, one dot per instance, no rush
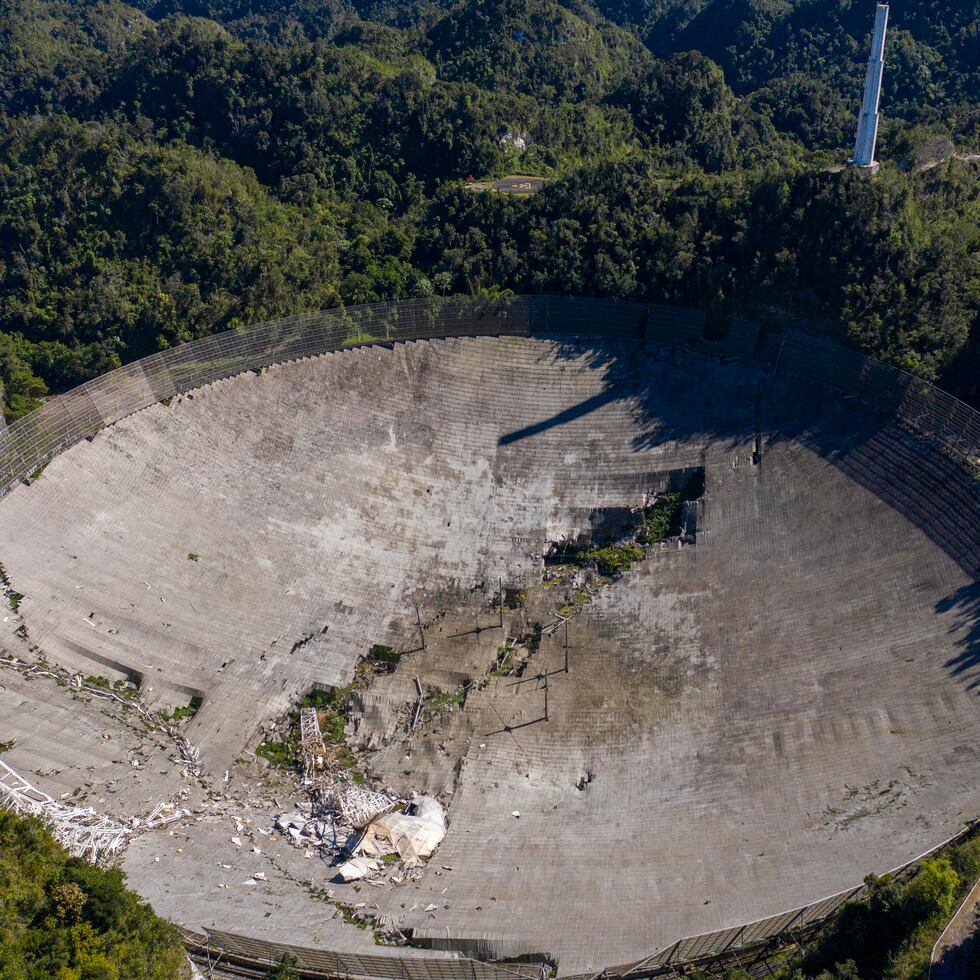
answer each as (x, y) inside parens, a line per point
(414, 836)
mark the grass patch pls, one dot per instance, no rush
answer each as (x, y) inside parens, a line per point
(120, 688)
(284, 754)
(332, 710)
(333, 707)
(350, 915)
(184, 711)
(502, 666)
(578, 599)
(514, 598)
(611, 559)
(382, 656)
(193, 556)
(7, 746)
(662, 520)
(442, 698)
(508, 662)
(360, 338)
(13, 598)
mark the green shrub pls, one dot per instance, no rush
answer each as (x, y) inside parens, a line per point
(662, 520)
(612, 559)
(62, 917)
(384, 656)
(932, 891)
(284, 753)
(890, 932)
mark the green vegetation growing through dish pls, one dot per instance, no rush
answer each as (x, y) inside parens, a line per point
(333, 707)
(183, 711)
(659, 521)
(662, 519)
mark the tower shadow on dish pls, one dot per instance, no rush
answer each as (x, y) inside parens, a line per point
(673, 396)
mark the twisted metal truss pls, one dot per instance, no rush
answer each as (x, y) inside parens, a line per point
(355, 805)
(311, 744)
(79, 829)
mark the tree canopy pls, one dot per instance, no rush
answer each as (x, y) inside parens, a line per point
(61, 917)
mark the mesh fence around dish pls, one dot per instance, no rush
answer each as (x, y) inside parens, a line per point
(395, 965)
(27, 444)
(30, 442)
(887, 389)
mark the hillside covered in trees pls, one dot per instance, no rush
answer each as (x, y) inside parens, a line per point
(172, 168)
(61, 917)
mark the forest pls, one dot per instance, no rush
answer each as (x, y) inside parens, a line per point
(63, 917)
(173, 168)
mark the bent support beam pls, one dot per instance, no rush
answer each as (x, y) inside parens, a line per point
(80, 830)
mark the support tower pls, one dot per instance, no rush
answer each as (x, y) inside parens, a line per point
(867, 132)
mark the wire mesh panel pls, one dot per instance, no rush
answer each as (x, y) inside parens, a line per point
(673, 325)
(119, 393)
(31, 441)
(743, 338)
(887, 389)
(329, 963)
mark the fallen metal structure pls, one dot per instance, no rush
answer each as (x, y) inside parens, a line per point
(311, 744)
(80, 829)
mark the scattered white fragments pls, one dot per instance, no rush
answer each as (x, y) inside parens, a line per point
(357, 868)
(287, 820)
(302, 830)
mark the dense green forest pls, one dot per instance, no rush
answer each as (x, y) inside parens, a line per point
(61, 917)
(172, 168)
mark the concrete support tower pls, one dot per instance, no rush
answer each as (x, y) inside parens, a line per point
(867, 133)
